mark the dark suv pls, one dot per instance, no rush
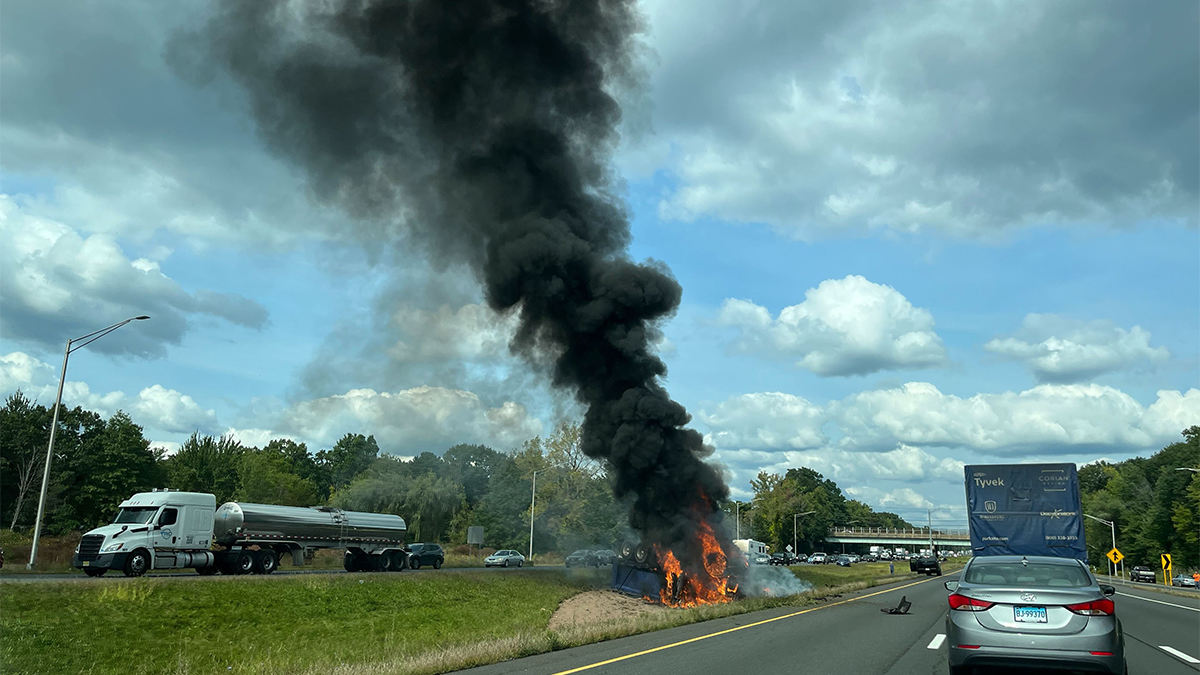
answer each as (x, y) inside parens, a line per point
(425, 554)
(582, 558)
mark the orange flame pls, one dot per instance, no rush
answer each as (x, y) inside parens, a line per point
(709, 587)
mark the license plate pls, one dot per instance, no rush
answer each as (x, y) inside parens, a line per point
(86, 563)
(1030, 614)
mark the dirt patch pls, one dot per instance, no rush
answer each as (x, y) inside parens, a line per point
(594, 607)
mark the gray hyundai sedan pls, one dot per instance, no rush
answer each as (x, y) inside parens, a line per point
(1032, 612)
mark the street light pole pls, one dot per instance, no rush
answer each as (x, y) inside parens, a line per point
(532, 504)
(83, 340)
(795, 548)
(1113, 528)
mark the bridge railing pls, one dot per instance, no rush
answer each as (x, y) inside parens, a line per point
(914, 533)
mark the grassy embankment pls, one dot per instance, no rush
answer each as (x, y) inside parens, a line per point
(350, 624)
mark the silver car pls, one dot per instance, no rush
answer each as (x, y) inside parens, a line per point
(504, 558)
(1032, 612)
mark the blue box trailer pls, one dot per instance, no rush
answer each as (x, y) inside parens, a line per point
(1025, 509)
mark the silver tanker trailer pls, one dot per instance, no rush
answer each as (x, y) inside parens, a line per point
(169, 529)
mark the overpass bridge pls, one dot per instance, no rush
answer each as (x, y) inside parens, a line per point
(910, 539)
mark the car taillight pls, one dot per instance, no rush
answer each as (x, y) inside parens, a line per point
(1102, 607)
(964, 604)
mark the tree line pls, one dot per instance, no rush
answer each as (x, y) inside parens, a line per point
(1154, 502)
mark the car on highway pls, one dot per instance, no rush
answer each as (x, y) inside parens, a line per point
(782, 558)
(425, 554)
(928, 565)
(504, 558)
(1183, 580)
(582, 558)
(606, 556)
(842, 560)
(761, 559)
(1019, 612)
(818, 559)
(801, 557)
(1142, 573)
(868, 558)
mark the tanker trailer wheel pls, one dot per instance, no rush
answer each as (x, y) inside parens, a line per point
(243, 562)
(265, 562)
(383, 562)
(399, 561)
(350, 562)
(137, 563)
(94, 572)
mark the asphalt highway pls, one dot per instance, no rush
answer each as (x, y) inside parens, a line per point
(851, 635)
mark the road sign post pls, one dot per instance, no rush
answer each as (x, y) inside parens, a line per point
(1166, 566)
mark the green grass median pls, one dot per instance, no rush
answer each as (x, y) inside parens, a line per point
(316, 623)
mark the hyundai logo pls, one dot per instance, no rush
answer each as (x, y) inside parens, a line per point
(1028, 597)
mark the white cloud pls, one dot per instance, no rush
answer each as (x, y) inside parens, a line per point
(903, 498)
(1057, 349)
(171, 411)
(471, 332)
(847, 326)
(58, 284)
(770, 420)
(1044, 420)
(422, 417)
(962, 118)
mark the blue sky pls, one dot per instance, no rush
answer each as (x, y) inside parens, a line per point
(985, 232)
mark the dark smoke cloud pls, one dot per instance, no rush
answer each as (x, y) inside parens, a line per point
(482, 131)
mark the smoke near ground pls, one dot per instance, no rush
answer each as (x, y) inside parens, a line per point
(481, 132)
(770, 581)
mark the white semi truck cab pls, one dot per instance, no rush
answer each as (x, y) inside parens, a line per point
(170, 529)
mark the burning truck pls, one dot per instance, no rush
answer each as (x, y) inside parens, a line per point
(654, 572)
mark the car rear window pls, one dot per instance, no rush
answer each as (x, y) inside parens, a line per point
(1018, 575)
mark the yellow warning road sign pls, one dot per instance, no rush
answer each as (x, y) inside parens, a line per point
(1166, 565)
(1115, 556)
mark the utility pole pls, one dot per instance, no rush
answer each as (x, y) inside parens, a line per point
(929, 515)
(532, 504)
(83, 341)
(737, 511)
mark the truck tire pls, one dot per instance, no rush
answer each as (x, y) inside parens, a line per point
(94, 572)
(265, 562)
(243, 562)
(383, 562)
(399, 561)
(350, 562)
(137, 563)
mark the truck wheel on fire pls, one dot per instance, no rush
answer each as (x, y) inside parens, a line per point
(169, 529)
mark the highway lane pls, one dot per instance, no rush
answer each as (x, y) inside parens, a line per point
(118, 576)
(849, 635)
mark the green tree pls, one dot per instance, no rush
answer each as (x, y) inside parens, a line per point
(268, 476)
(350, 456)
(24, 435)
(207, 464)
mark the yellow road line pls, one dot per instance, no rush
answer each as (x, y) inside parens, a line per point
(737, 628)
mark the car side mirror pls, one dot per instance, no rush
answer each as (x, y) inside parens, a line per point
(951, 585)
(1108, 590)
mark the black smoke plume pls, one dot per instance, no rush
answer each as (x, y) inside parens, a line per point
(483, 130)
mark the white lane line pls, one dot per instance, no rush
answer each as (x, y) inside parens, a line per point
(1168, 604)
(1175, 652)
(937, 641)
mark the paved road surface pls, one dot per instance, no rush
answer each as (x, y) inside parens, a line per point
(116, 575)
(851, 635)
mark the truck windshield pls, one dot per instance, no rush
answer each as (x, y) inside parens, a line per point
(136, 514)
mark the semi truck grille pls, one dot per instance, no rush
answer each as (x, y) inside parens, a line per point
(89, 548)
